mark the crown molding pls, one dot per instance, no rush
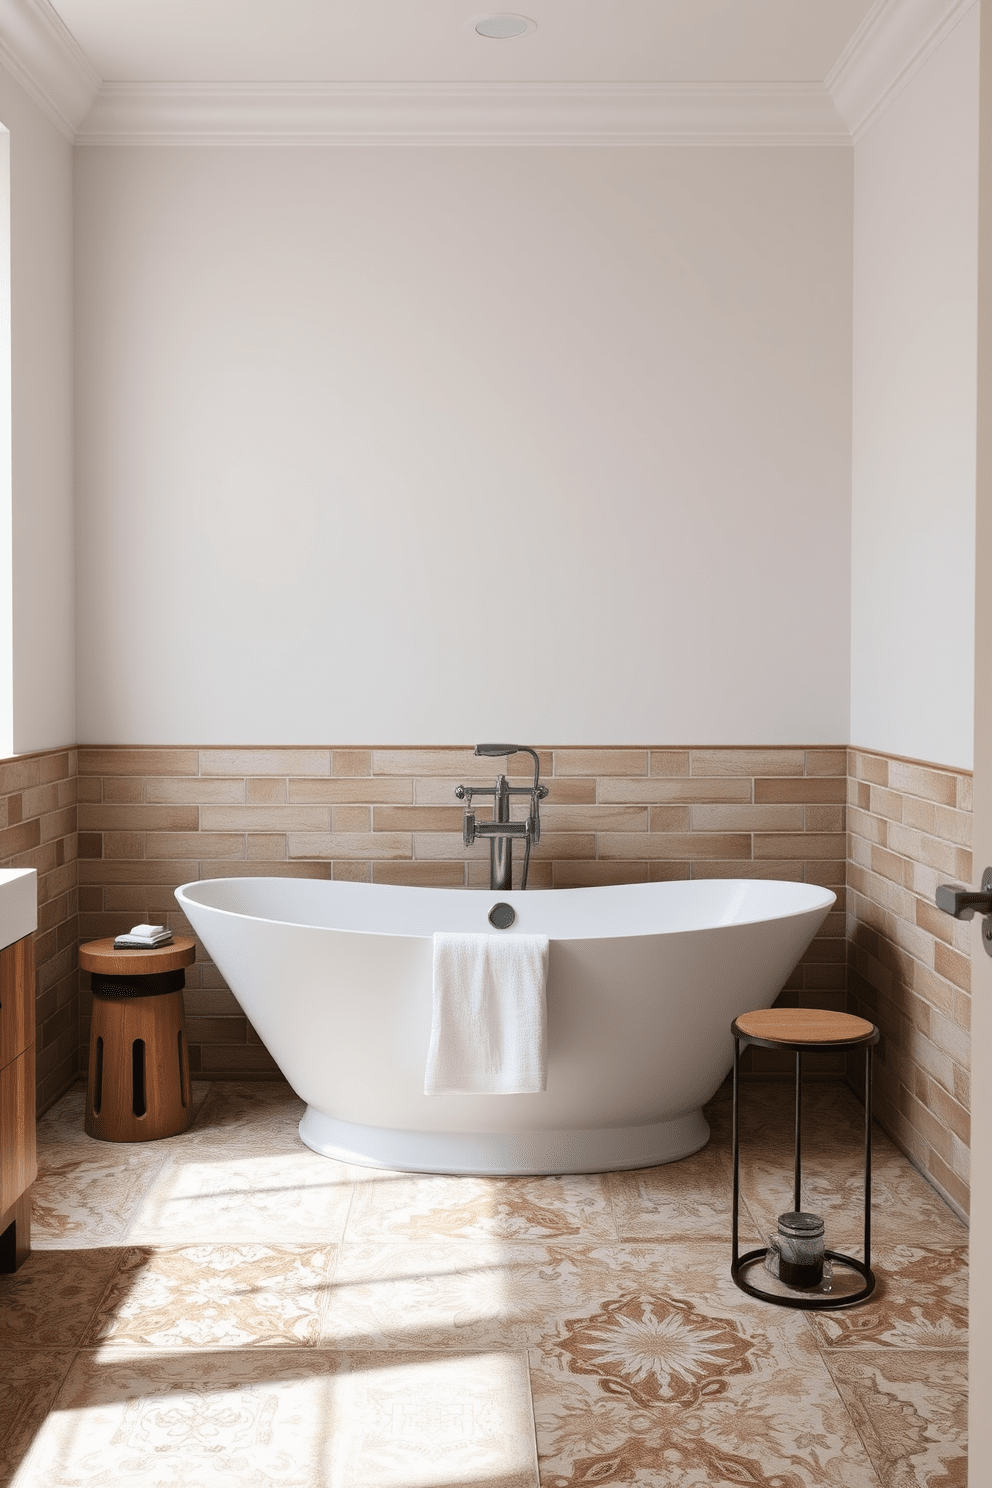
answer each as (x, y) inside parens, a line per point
(41, 54)
(888, 49)
(463, 114)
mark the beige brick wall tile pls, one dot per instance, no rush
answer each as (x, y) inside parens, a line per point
(922, 815)
(351, 762)
(660, 791)
(264, 847)
(604, 818)
(424, 818)
(787, 869)
(671, 762)
(266, 790)
(350, 791)
(174, 870)
(123, 788)
(186, 791)
(56, 825)
(186, 844)
(669, 818)
(452, 764)
(824, 818)
(885, 803)
(600, 761)
(261, 868)
(952, 965)
(864, 824)
(366, 845)
(676, 846)
(351, 819)
(739, 818)
(345, 871)
(265, 818)
(918, 780)
(827, 762)
(111, 817)
(117, 761)
(39, 799)
(827, 791)
(804, 845)
(953, 826)
(872, 768)
(421, 875)
(752, 762)
(264, 762)
(585, 874)
(126, 846)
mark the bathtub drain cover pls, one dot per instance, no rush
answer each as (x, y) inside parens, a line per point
(502, 916)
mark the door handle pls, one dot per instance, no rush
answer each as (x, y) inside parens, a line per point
(962, 903)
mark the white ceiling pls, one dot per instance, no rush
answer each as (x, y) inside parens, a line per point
(420, 41)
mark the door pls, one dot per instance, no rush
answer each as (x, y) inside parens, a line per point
(980, 1353)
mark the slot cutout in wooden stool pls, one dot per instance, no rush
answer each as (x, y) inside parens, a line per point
(800, 1029)
(138, 1087)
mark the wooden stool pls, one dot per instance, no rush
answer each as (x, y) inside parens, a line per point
(799, 1029)
(138, 1086)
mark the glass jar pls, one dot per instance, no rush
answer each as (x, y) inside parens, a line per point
(796, 1252)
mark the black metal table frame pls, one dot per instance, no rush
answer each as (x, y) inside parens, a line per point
(740, 1263)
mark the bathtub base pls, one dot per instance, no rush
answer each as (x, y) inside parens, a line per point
(508, 1153)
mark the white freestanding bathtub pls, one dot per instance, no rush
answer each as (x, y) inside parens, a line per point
(644, 981)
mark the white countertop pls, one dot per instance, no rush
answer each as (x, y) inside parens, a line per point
(18, 904)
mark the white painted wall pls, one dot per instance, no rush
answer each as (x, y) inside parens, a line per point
(915, 316)
(37, 710)
(436, 444)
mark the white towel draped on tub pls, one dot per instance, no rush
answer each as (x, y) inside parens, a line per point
(488, 1031)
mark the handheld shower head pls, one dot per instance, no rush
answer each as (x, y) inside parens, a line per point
(496, 751)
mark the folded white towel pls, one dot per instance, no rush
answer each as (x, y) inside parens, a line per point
(489, 1027)
(145, 936)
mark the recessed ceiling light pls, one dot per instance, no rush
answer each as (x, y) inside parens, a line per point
(503, 27)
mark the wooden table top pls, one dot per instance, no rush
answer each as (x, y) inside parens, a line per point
(100, 956)
(803, 1026)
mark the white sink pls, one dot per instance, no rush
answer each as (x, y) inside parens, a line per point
(18, 904)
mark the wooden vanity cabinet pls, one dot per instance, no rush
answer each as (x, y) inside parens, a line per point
(18, 1156)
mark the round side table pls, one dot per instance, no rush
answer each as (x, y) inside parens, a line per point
(138, 1086)
(800, 1029)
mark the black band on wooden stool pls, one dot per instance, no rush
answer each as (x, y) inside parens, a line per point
(151, 985)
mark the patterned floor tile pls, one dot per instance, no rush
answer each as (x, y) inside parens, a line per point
(481, 1294)
(675, 1201)
(279, 1200)
(61, 1130)
(921, 1301)
(29, 1382)
(214, 1296)
(473, 1294)
(666, 1392)
(911, 1409)
(88, 1198)
(53, 1296)
(416, 1206)
(276, 1417)
(427, 1422)
(903, 1203)
(253, 1313)
(259, 1116)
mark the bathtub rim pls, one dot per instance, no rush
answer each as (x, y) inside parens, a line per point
(821, 898)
